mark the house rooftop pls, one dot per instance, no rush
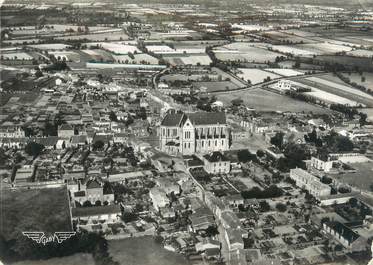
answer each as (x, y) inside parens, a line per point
(65, 127)
(93, 184)
(343, 230)
(196, 118)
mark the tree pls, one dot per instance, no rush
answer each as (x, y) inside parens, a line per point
(98, 145)
(278, 139)
(129, 217)
(98, 203)
(264, 206)
(38, 74)
(338, 143)
(245, 156)
(237, 102)
(344, 189)
(211, 231)
(326, 180)
(281, 207)
(260, 153)
(353, 202)
(87, 204)
(34, 149)
(113, 116)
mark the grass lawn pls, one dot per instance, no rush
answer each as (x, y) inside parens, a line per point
(361, 179)
(45, 210)
(76, 259)
(143, 251)
(263, 100)
(253, 143)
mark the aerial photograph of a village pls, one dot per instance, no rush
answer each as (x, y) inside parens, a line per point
(186, 132)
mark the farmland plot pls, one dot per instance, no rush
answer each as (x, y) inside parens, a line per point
(256, 76)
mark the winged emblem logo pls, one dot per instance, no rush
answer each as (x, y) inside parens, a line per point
(41, 238)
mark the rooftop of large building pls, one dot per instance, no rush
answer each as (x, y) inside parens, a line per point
(173, 119)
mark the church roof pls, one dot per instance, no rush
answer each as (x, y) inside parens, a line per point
(197, 118)
(205, 118)
(172, 119)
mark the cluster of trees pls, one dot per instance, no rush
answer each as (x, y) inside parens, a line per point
(205, 103)
(57, 66)
(34, 149)
(281, 207)
(294, 154)
(313, 138)
(245, 156)
(278, 140)
(98, 145)
(51, 127)
(256, 193)
(301, 96)
(337, 143)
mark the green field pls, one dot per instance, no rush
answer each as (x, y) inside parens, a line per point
(361, 178)
(45, 210)
(263, 100)
(76, 259)
(143, 251)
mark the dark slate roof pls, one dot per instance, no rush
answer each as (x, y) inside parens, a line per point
(202, 118)
(65, 127)
(197, 118)
(343, 230)
(172, 119)
(93, 184)
(215, 157)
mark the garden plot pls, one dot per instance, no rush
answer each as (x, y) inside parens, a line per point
(66, 56)
(284, 72)
(256, 76)
(16, 56)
